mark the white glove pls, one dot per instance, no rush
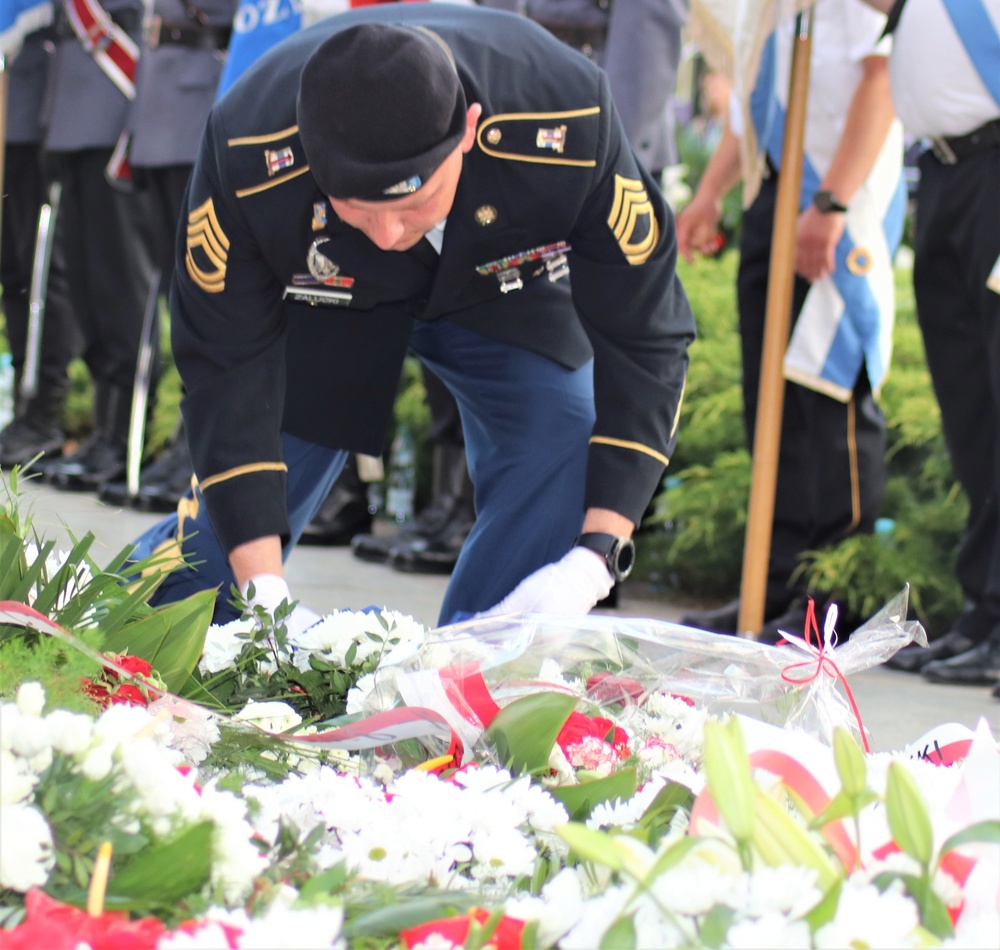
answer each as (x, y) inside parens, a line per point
(269, 592)
(572, 585)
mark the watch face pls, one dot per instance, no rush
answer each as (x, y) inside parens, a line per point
(624, 557)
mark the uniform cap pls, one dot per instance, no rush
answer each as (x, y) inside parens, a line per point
(380, 106)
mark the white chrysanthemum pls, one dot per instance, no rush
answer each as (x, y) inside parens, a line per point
(363, 634)
(595, 916)
(223, 643)
(357, 695)
(193, 729)
(116, 727)
(70, 733)
(305, 928)
(556, 910)
(772, 932)
(502, 854)
(619, 814)
(30, 699)
(787, 890)
(167, 798)
(29, 738)
(236, 861)
(271, 716)
(17, 781)
(26, 847)
(867, 918)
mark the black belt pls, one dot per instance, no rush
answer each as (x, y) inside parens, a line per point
(162, 32)
(950, 149)
(587, 39)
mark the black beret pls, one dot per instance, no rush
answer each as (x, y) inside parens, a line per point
(379, 108)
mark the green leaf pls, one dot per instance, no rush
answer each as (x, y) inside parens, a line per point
(167, 872)
(407, 913)
(850, 762)
(826, 909)
(581, 799)
(598, 847)
(524, 731)
(323, 884)
(841, 806)
(933, 912)
(619, 936)
(985, 831)
(727, 767)
(661, 810)
(716, 925)
(172, 639)
(907, 815)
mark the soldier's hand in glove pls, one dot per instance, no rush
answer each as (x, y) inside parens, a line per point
(270, 591)
(572, 585)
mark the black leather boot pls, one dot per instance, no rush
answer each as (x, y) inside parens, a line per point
(437, 552)
(429, 520)
(344, 514)
(36, 428)
(102, 456)
(162, 483)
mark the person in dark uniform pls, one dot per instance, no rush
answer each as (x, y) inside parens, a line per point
(638, 44)
(108, 258)
(956, 279)
(180, 62)
(37, 423)
(456, 181)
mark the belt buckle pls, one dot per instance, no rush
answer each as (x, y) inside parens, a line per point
(153, 31)
(943, 152)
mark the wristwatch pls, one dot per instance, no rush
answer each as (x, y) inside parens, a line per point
(618, 553)
(825, 203)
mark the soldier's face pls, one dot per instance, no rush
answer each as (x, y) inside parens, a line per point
(398, 225)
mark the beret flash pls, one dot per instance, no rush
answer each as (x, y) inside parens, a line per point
(379, 108)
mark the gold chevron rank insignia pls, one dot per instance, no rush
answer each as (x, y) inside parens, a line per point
(207, 249)
(632, 220)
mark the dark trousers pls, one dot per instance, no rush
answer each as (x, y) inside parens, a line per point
(527, 424)
(24, 191)
(831, 463)
(956, 245)
(108, 262)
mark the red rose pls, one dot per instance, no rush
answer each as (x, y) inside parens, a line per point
(507, 935)
(578, 727)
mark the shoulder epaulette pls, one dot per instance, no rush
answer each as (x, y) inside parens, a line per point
(548, 138)
(260, 162)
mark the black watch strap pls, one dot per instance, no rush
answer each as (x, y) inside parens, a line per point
(826, 203)
(618, 552)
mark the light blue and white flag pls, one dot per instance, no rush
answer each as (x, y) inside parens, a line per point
(847, 319)
(257, 26)
(18, 18)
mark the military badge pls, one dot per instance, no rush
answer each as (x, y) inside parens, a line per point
(859, 261)
(404, 187)
(207, 249)
(508, 269)
(486, 215)
(632, 220)
(278, 159)
(321, 269)
(554, 139)
(319, 215)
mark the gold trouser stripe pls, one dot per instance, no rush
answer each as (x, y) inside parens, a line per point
(633, 446)
(243, 470)
(852, 452)
(677, 414)
(169, 554)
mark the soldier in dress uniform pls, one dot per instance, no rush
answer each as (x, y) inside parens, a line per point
(37, 423)
(180, 62)
(456, 181)
(638, 44)
(108, 257)
(955, 109)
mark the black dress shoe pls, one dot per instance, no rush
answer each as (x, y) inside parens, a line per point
(979, 666)
(98, 460)
(340, 518)
(23, 439)
(725, 619)
(913, 659)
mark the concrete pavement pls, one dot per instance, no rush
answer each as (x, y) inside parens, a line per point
(897, 708)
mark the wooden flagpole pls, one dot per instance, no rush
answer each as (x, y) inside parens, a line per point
(771, 393)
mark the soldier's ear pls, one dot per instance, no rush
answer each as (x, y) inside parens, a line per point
(471, 121)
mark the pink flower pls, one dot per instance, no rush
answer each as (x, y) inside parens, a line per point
(655, 751)
(579, 726)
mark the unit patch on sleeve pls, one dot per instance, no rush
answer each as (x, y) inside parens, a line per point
(207, 249)
(632, 220)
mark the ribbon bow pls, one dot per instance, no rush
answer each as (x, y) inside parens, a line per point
(823, 658)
